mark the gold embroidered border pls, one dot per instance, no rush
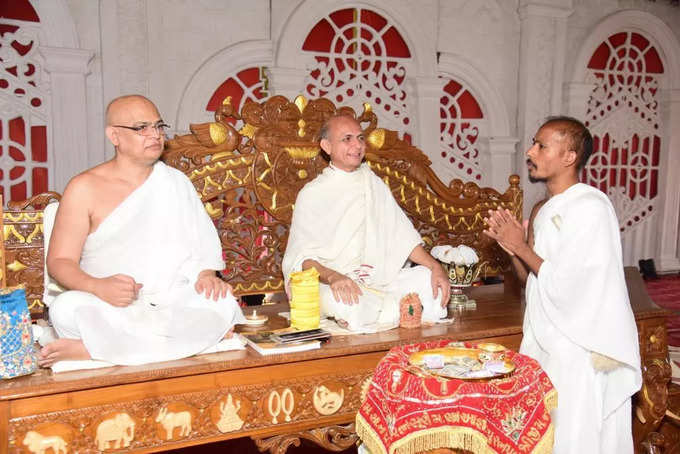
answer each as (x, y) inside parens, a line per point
(427, 439)
(550, 400)
(545, 446)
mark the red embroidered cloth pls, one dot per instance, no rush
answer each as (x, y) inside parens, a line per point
(405, 411)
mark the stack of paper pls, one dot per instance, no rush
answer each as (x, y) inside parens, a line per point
(264, 344)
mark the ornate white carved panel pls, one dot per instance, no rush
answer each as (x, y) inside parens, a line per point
(360, 56)
(623, 116)
(657, 236)
(24, 112)
(461, 121)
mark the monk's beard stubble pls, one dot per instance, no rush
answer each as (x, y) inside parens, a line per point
(531, 165)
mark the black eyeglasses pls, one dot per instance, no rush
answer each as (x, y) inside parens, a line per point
(147, 129)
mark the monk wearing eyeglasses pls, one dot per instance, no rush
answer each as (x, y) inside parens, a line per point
(137, 254)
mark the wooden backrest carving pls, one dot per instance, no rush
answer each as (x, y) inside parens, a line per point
(3, 281)
(24, 247)
(249, 178)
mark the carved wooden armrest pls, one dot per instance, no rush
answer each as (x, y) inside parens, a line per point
(673, 417)
(37, 202)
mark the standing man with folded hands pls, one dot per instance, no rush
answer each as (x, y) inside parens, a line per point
(578, 322)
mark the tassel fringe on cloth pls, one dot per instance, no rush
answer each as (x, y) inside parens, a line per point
(404, 413)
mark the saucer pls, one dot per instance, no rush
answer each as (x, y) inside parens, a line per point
(256, 321)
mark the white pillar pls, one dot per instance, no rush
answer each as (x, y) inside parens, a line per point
(428, 92)
(668, 259)
(67, 69)
(288, 82)
(501, 161)
(542, 53)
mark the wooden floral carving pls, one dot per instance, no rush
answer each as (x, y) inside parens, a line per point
(199, 416)
(331, 438)
(23, 242)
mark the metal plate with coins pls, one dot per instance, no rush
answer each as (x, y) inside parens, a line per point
(456, 361)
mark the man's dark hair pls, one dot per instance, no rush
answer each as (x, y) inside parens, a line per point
(577, 135)
(325, 128)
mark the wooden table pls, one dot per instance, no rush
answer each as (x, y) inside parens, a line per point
(275, 400)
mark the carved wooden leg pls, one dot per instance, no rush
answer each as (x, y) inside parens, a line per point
(653, 444)
(650, 406)
(332, 438)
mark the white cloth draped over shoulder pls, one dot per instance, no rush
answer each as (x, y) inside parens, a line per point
(576, 305)
(349, 221)
(161, 236)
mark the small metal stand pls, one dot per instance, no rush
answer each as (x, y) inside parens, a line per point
(460, 277)
(459, 300)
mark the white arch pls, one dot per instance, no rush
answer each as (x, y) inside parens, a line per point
(309, 12)
(493, 106)
(497, 145)
(665, 232)
(57, 26)
(638, 21)
(213, 72)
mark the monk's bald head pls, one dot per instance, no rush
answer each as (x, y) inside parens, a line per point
(128, 109)
(342, 139)
(328, 125)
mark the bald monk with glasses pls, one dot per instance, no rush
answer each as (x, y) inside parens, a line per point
(137, 254)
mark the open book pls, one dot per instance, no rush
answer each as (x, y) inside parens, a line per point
(265, 343)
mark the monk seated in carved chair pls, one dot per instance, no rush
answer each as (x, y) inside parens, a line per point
(347, 225)
(137, 253)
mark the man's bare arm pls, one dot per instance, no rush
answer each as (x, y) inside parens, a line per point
(71, 228)
(439, 280)
(344, 289)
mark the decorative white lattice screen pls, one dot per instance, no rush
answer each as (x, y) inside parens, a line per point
(361, 57)
(23, 112)
(461, 120)
(623, 115)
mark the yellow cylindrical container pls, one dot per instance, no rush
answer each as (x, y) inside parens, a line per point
(304, 303)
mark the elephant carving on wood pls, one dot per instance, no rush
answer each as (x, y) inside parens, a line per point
(116, 432)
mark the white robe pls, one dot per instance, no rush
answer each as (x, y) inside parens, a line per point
(161, 236)
(579, 304)
(345, 221)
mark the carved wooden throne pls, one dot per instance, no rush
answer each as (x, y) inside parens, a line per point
(249, 179)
